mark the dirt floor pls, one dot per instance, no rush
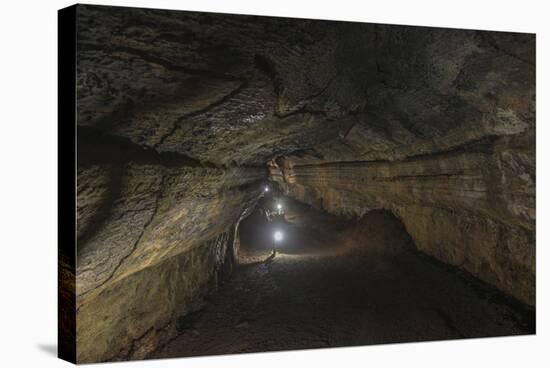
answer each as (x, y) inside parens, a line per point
(328, 296)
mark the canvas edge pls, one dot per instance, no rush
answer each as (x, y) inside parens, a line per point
(66, 175)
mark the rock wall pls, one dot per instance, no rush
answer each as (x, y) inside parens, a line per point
(472, 207)
(467, 207)
(153, 237)
(130, 318)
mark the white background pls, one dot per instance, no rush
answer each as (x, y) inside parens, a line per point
(28, 182)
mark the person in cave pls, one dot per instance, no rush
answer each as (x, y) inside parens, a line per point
(271, 217)
(277, 217)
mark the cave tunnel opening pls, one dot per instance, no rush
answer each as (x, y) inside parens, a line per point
(339, 281)
(403, 159)
(290, 228)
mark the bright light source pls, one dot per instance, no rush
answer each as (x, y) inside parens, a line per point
(266, 189)
(279, 206)
(278, 236)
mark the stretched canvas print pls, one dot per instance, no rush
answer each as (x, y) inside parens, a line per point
(237, 183)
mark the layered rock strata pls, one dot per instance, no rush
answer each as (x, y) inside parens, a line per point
(473, 208)
(155, 234)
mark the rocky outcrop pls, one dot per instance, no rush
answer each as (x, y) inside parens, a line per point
(154, 235)
(179, 113)
(219, 89)
(463, 184)
(472, 208)
(129, 318)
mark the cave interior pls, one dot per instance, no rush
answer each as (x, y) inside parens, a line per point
(402, 158)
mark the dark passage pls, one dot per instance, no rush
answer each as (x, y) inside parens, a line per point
(337, 282)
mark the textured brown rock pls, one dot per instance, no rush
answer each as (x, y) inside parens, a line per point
(154, 235)
(131, 317)
(473, 207)
(179, 113)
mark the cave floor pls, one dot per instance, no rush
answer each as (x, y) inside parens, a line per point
(301, 301)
